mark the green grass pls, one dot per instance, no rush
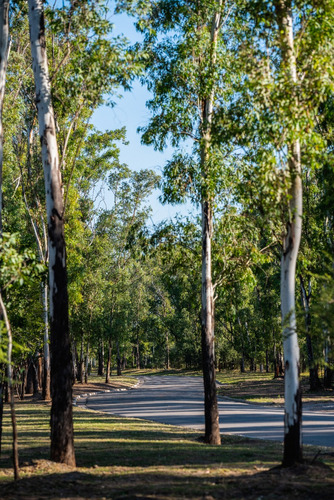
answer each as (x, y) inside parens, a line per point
(129, 458)
(122, 381)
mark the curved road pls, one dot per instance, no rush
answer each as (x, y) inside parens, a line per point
(179, 401)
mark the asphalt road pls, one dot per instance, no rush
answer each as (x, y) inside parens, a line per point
(179, 401)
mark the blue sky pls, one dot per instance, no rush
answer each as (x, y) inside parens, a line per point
(131, 112)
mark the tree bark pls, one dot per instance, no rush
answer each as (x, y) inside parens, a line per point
(328, 372)
(100, 370)
(86, 362)
(46, 390)
(10, 388)
(81, 371)
(62, 444)
(2, 386)
(291, 241)
(167, 351)
(212, 433)
(137, 353)
(4, 52)
(108, 362)
(118, 360)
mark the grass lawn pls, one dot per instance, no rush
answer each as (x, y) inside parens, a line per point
(134, 459)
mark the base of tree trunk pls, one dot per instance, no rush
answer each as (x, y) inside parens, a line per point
(293, 453)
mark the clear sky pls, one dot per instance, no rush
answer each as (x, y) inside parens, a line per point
(130, 111)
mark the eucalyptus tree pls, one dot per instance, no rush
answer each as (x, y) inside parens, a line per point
(285, 51)
(62, 445)
(4, 49)
(188, 71)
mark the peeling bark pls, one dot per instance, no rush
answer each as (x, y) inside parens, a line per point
(62, 445)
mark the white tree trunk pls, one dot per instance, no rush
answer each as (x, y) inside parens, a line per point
(4, 51)
(291, 242)
(10, 388)
(47, 367)
(62, 447)
(212, 432)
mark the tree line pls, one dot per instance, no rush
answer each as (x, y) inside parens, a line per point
(243, 91)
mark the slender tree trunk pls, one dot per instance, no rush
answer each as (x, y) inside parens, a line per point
(4, 52)
(167, 351)
(100, 370)
(118, 359)
(82, 362)
(86, 363)
(2, 386)
(24, 375)
(137, 353)
(328, 372)
(108, 362)
(10, 388)
(46, 392)
(291, 241)
(267, 360)
(212, 433)
(62, 444)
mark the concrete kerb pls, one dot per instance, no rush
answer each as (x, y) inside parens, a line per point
(84, 397)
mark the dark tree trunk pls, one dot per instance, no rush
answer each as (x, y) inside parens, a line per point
(108, 363)
(32, 380)
(87, 363)
(1, 409)
(30, 384)
(23, 382)
(267, 361)
(118, 360)
(46, 393)
(137, 354)
(81, 366)
(100, 370)
(242, 364)
(278, 362)
(40, 371)
(212, 432)
(167, 352)
(328, 377)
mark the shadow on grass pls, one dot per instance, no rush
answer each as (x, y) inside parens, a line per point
(130, 458)
(303, 482)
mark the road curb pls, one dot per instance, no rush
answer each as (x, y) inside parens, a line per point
(77, 400)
